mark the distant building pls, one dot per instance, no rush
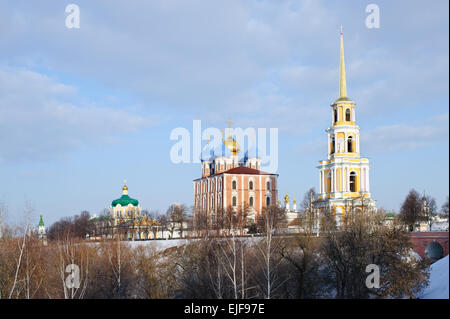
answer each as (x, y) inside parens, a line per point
(233, 179)
(125, 220)
(41, 232)
(292, 214)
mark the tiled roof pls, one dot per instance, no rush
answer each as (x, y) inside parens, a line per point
(240, 170)
(245, 170)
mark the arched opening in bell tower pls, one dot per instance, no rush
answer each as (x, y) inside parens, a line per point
(350, 144)
(329, 182)
(353, 185)
(333, 142)
(347, 115)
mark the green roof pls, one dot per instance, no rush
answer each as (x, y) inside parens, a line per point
(41, 222)
(100, 218)
(124, 201)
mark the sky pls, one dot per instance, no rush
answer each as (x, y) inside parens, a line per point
(82, 109)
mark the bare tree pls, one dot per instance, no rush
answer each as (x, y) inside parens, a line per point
(26, 229)
(73, 267)
(270, 219)
(362, 241)
(445, 209)
(411, 211)
(429, 208)
(2, 217)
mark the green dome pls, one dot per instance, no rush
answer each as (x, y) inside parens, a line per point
(124, 201)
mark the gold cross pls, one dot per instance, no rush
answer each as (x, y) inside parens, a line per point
(229, 125)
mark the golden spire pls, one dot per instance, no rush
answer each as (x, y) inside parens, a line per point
(342, 81)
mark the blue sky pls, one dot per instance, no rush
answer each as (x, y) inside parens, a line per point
(83, 109)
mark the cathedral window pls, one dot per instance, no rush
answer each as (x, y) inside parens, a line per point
(268, 185)
(335, 115)
(350, 144)
(352, 182)
(233, 185)
(234, 201)
(267, 201)
(250, 201)
(347, 115)
(250, 185)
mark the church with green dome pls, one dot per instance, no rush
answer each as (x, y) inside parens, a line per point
(125, 207)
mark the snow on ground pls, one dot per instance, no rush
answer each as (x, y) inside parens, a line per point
(438, 286)
(159, 244)
(164, 244)
(440, 226)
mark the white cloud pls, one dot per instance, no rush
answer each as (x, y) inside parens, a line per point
(38, 119)
(405, 137)
(215, 59)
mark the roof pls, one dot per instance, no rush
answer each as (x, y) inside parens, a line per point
(246, 171)
(125, 200)
(41, 222)
(242, 170)
(100, 218)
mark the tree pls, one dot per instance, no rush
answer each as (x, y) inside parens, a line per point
(363, 241)
(270, 219)
(411, 211)
(302, 253)
(74, 227)
(310, 218)
(2, 217)
(429, 208)
(241, 218)
(444, 208)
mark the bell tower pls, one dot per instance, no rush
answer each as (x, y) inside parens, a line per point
(344, 176)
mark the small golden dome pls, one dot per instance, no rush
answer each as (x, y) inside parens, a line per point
(232, 145)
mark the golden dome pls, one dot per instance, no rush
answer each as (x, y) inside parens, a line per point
(232, 145)
(125, 188)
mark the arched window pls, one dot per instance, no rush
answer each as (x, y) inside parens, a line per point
(267, 201)
(350, 144)
(335, 115)
(268, 185)
(233, 185)
(234, 203)
(332, 145)
(250, 185)
(347, 115)
(352, 182)
(250, 202)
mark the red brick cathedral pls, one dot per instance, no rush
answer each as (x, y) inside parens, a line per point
(232, 179)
